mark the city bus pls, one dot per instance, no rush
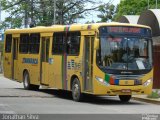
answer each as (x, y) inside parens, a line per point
(113, 59)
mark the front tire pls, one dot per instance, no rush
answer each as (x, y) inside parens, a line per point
(26, 83)
(125, 98)
(76, 90)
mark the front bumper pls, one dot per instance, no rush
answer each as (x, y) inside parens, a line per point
(122, 90)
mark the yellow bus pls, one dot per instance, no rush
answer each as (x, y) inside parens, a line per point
(99, 59)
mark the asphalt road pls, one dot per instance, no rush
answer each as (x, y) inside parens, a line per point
(15, 100)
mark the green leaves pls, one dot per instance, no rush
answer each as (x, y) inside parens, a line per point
(133, 7)
(106, 12)
(22, 12)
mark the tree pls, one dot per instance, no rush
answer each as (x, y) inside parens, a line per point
(18, 10)
(41, 12)
(106, 12)
(133, 7)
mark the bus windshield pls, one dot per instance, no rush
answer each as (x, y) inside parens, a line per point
(120, 50)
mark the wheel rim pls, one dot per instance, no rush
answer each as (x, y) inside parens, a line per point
(76, 91)
(26, 80)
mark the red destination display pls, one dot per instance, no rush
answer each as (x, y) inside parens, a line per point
(124, 30)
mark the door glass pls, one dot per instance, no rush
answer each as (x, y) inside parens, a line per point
(15, 48)
(43, 50)
(47, 49)
(44, 60)
(87, 55)
(88, 62)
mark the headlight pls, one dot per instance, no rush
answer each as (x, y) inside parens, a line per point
(102, 81)
(147, 82)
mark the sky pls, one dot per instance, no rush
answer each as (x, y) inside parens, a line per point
(91, 17)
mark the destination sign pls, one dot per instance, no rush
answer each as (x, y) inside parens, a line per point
(124, 30)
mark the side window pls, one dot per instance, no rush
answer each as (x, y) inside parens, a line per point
(24, 43)
(73, 43)
(8, 44)
(58, 43)
(34, 43)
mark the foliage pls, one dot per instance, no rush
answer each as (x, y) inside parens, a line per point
(133, 7)
(106, 12)
(41, 12)
(154, 94)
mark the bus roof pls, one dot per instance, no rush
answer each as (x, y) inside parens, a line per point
(72, 27)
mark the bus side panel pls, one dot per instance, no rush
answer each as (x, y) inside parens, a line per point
(74, 67)
(51, 78)
(55, 71)
(98, 88)
(31, 63)
(7, 63)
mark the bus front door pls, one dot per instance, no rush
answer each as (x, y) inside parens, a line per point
(44, 60)
(15, 59)
(88, 63)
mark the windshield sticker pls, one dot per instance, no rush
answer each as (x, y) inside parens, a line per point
(140, 64)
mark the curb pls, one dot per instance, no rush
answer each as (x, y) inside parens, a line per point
(147, 100)
(1, 74)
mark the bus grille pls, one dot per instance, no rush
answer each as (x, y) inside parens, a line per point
(127, 80)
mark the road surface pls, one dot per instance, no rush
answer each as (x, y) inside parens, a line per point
(15, 100)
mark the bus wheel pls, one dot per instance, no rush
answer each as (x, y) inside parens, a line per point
(26, 83)
(124, 98)
(76, 90)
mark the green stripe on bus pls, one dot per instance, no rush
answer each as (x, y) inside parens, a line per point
(107, 78)
(66, 28)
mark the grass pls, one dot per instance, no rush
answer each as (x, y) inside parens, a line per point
(154, 95)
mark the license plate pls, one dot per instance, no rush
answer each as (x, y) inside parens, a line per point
(126, 82)
(126, 91)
